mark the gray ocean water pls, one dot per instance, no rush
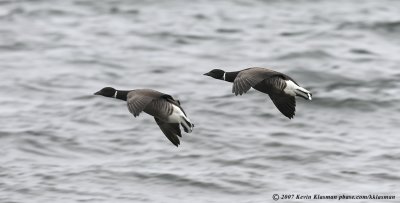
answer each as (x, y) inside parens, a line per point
(59, 143)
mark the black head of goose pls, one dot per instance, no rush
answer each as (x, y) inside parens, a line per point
(166, 111)
(281, 88)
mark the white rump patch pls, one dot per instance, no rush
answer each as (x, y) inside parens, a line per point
(293, 90)
(290, 88)
(178, 116)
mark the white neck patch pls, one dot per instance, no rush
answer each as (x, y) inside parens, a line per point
(115, 95)
(223, 77)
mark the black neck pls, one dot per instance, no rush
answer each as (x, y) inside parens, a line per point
(122, 95)
(230, 76)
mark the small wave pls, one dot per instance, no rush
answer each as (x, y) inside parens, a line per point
(105, 64)
(292, 34)
(37, 147)
(388, 26)
(79, 191)
(42, 12)
(385, 176)
(280, 134)
(362, 51)
(254, 185)
(353, 103)
(172, 179)
(314, 54)
(350, 172)
(326, 153)
(264, 114)
(293, 157)
(378, 84)
(200, 17)
(184, 180)
(15, 46)
(228, 30)
(385, 27)
(343, 85)
(163, 69)
(392, 157)
(166, 34)
(118, 10)
(50, 12)
(5, 133)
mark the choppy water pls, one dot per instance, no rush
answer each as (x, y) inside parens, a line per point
(61, 144)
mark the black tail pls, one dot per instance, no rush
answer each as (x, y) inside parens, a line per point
(187, 126)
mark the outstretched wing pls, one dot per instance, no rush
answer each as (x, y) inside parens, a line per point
(137, 104)
(170, 130)
(249, 78)
(138, 100)
(286, 104)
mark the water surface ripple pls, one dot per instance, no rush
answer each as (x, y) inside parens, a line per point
(62, 144)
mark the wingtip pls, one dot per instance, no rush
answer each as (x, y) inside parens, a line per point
(290, 117)
(176, 143)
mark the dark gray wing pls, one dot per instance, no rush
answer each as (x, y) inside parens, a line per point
(275, 84)
(170, 130)
(173, 101)
(249, 78)
(151, 100)
(159, 108)
(286, 104)
(137, 104)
